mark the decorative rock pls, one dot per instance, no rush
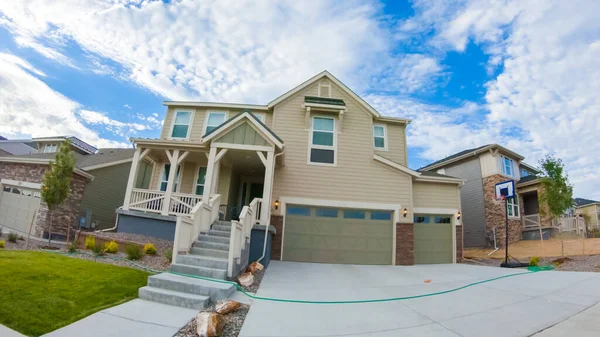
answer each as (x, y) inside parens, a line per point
(209, 324)
(227, 306)
(246, 279)
(254, 267)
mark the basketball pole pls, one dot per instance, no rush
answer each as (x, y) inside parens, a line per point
(506, 229)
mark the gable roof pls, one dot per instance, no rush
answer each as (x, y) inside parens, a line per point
(104, 157)
(332, 78)
(272, 136)
(581, 202)
(465, 153)
(418, 176)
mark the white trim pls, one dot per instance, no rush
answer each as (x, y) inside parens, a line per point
(216, 105)
(162, 170)
(254, 123)
(342, 204)
(514, 206)
(393, 120)
(503, 167)
(53, 147)
(10, 182)
(473, 153)
(242, 147)
(208, 112)
(433, 210)
(196, 176)
(385, 137)
(333, 147)
(146, 142)
(22, 160)
(190, 123)
(318, 76)
(429, 179)
(103, 165)
(327, 107)
(396, 165)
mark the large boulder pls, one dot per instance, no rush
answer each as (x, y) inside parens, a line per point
(209, 324)
(227, 306)
(254, 267)
(246, 279)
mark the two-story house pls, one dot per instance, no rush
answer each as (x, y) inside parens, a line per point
(318, 163)
(484, 218)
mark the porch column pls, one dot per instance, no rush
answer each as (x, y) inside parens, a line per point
(265, 210)
(173, 160)
(210, 169)
(132, 176)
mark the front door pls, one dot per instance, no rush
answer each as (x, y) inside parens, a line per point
(256, 191)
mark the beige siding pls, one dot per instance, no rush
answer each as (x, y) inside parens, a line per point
(436, 195)
(188, 176)
(592, 212)
(243, 134)
(396, 144)
(489, 164)
(198, 119)
(356, 177)
(224, 182)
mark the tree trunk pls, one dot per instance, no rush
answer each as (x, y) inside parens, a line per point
(50, 229)
(68, 233)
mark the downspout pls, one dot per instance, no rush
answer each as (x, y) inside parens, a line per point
(110, 229)
(268, 223)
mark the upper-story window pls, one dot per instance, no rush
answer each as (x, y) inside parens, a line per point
(524, 173)
(214, 119)
(380, 137)
(181, 124)
(50, 148)
(323, 141)
(261, 117)
(507, 166)
(324, 88)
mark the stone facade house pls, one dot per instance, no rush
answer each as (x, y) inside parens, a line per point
(483, 217)
(97, 188)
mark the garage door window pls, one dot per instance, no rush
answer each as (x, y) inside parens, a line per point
(327, 212)
(381, 216)
(354, 214)
(301, 211)
(421, 219)
(442, 219)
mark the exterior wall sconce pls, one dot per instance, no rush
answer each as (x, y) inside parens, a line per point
(276, 204)
(458, 216)
(405, 212)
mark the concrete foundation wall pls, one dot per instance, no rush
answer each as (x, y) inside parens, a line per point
(145, 224)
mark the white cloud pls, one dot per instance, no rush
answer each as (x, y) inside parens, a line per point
(127, 106)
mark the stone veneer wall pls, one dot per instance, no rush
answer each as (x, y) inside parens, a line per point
(65, 213)
(495, 214)
(277, 222)
(405, 244)
(459, 243)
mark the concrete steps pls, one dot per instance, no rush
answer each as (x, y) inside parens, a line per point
(202, 261)
(220, 274)
(176, 298)
(211, 245)
(209, 252)
(213, 238)
(216, 291)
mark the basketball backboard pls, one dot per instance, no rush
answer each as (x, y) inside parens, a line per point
(505, 189)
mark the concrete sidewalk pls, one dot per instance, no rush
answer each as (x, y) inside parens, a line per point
(584, 324)
(6, 332)
(131, 319)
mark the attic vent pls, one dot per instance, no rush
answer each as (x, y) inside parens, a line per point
(325, 88)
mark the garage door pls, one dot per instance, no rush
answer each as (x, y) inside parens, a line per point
(18, 207)
(433, 239)
(333, 235)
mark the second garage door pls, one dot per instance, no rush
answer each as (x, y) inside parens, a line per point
(335, 235)
(18, 207)
(433, 239)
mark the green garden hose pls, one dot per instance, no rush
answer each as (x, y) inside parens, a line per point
(531, 270)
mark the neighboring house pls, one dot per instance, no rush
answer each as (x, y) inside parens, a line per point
(97, 188)
(318, 163)
(17, 146)
(589, 208)
(482, 168)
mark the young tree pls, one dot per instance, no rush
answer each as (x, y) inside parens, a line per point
(557, 194)
(56, 185)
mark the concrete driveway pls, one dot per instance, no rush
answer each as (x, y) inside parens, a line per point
(515, 306)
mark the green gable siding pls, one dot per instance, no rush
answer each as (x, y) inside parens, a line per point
(106, 193)
(243, 134)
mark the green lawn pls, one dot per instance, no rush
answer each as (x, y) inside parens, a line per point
(41, 292)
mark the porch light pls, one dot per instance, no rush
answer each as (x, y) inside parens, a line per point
(276, 204)
(404, 212)
(458, 216)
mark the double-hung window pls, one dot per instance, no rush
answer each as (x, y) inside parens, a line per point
(181, 124)
(512, 206)
(164, 179)
(214, 119)
(323, 141)
(200, 179)
(50, 148)
(507, 166)
(379, 137)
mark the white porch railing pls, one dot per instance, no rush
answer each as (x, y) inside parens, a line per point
(182, 204)
(146, 200)
(187, 229)
(531, 221)
(241, 231)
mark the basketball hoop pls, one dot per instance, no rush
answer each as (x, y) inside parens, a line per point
(498, 199)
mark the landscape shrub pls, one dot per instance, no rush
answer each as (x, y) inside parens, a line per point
(90, 242)
(534, 261)
(73, 247)
(169, 256)
(12, 237)
(111, 247)
(134, 252)
(2, 243)
(150, 249)
(98, 250)
(597, 234)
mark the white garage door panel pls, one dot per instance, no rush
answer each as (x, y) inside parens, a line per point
(18, 207)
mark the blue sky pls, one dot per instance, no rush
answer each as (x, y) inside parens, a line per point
(467, 72)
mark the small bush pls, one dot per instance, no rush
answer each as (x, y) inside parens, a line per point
(73, 247)
(597, 234)
(90, 242)
(12, 237)
(21, 238)
(169, 256)
(150, 249)
(98, 250)
(2, 243)
(134, 252)
(534, 261)
(111, 247)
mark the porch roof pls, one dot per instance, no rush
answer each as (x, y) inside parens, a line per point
(252, 119)
(528, 180)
